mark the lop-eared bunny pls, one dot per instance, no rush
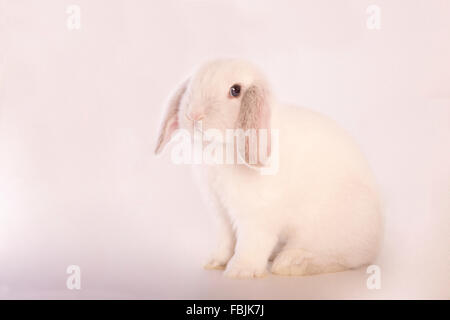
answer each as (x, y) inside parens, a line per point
(320, 208)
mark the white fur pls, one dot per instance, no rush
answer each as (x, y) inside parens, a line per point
(322, 207)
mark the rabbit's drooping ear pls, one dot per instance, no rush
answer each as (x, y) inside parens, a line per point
(255, 114)
(170, 120)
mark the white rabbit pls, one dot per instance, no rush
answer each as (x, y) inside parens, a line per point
(321, 208)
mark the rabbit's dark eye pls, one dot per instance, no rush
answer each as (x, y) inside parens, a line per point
(235, 90)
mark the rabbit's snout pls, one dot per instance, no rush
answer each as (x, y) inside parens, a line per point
(195, 116)
(196, 120)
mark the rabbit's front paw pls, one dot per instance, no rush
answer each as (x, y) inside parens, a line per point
(239, 270)
(218, 259)
(215, 263)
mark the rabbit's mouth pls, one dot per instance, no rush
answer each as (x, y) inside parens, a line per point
(197, 125)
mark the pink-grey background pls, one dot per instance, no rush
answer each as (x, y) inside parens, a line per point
(79, 112)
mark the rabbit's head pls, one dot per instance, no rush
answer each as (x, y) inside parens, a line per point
(222, 94)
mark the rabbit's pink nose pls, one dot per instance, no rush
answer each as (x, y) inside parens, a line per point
(195, 116)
